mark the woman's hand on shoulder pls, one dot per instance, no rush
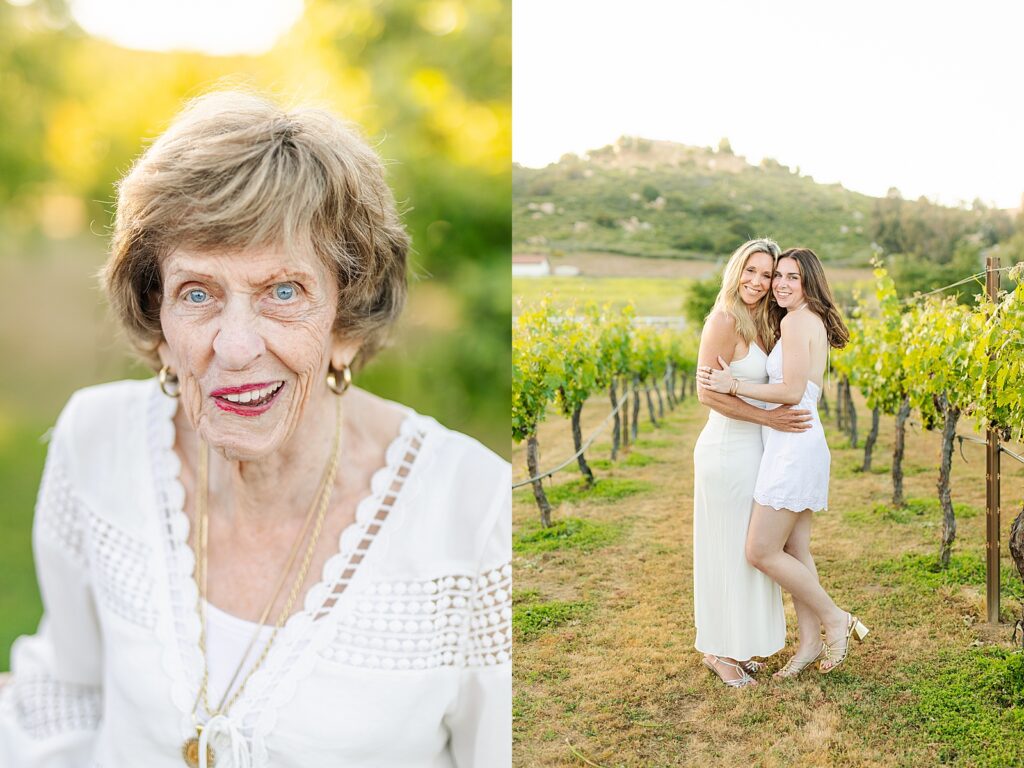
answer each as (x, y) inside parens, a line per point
(718, 380)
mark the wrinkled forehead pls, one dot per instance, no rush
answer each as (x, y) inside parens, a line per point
(257, 265)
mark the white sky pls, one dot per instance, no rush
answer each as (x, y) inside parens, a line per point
(217, 27)
(923, 96)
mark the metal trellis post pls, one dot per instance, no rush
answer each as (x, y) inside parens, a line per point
(992, 481)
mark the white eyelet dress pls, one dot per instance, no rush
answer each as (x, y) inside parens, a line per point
(795, 468)
(737, 609)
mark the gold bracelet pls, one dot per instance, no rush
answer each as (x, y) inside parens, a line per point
(735, 387)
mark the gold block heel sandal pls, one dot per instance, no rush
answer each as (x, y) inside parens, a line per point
(835, 654)
(795, 666)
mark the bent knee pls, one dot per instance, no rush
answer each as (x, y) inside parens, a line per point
(757, 554)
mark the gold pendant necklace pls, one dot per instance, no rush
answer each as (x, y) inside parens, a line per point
(190, 750)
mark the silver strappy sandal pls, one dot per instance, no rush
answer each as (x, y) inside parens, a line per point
(740, 682)
(752, 667)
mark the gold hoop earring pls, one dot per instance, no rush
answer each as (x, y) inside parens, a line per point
(332, 379)
(169, 382)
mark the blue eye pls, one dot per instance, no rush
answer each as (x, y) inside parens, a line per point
(196, 296)
(284, 291)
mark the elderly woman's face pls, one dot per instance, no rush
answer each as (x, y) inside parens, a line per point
(249, 337)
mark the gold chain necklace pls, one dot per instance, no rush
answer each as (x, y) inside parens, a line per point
(317, 510)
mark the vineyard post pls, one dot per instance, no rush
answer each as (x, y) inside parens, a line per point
(851, 412)
(625, 415)
(636, 405)
(992, 479)
(616, 426)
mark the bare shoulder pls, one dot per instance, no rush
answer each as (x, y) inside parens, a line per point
(720, 321)
(802, 323)
(720, 327)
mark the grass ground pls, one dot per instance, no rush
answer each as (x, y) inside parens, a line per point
(605, 670)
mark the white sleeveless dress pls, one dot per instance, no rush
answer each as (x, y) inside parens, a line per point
(795, 468)
(737, 609)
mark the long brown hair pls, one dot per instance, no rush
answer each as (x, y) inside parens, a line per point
(817, 294)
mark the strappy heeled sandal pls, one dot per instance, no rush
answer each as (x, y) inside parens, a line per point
(795, 666)
(752, 667)
(835, 654)
(740, 682)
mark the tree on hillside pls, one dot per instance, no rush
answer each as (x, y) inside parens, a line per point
(701, 298)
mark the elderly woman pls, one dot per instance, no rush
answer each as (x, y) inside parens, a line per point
(246, 560)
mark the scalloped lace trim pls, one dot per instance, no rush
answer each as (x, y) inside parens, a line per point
(309, 631)
(178, 630)
(793, 503)
(310, 628)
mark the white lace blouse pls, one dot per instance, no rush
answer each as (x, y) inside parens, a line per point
(399, 658)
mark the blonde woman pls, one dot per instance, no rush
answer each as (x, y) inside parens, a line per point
(737, 609)
(792, 482)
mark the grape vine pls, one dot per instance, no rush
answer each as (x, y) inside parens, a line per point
(563, 358)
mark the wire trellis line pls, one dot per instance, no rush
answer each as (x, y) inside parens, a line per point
(583, 448)
(961, 439)
(967, 279)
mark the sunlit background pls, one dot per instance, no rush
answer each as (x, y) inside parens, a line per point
(84, 84)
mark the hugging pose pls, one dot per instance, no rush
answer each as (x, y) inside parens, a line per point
(761, 466)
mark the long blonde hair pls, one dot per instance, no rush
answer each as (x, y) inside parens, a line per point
(750, 325)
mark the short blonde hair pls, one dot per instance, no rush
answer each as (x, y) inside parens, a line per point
(235, 171)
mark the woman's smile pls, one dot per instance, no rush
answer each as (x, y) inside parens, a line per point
(250, 335)
(755, 278)
(248, 399)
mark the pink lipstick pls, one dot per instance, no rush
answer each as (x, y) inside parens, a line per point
(247, 399)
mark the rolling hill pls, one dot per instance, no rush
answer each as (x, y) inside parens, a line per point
(640, 197)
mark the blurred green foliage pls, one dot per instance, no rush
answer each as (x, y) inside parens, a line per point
(429, 83)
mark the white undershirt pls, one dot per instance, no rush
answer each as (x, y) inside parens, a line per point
(227, 637)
